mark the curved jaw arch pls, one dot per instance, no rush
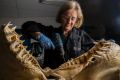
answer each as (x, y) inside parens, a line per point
(17, 63)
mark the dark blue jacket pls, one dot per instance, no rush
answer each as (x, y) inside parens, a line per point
(76, 44)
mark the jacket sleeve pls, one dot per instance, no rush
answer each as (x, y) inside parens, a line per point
(45, 41)
(87, 42)
(45, 37)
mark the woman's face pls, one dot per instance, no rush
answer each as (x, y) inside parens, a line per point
(69, 19)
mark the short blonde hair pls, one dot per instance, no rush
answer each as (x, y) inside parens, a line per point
(71, 5)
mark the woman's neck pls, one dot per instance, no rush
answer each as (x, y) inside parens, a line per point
(66, 33)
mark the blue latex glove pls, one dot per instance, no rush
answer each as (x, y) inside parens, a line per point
(58, 43)
(45, 41)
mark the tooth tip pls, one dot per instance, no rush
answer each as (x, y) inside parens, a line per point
(20, 35)
(9, 23)
(13, 28)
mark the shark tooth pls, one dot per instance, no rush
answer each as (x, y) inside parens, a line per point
(95, 42)
(22, 41)
(26, 47)
(20, 36)
(7, 28)
(13, 28)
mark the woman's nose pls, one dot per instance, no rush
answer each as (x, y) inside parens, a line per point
(69, 20)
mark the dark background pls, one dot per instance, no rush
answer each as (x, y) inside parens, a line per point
(102, 18)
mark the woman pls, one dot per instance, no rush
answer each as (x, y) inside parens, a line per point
(66, 42)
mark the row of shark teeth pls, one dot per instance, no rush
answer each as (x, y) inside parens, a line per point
(16, 43)
(105, 66)
(99, 48)
(20, 52)
(103, 51)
